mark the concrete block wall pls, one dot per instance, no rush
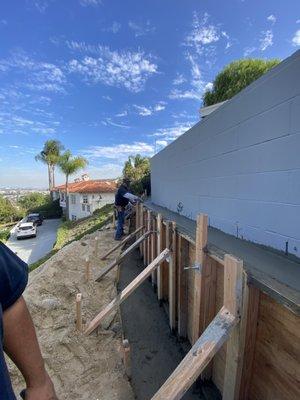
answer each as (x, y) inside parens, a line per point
(241, 164)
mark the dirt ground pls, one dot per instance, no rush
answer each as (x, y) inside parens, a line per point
(82, 367)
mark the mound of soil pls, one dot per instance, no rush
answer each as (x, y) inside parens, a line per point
(82, 367)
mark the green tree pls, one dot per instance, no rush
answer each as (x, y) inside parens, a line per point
(69, 165)
(50, 155)
(137, 169)
(33, 200)
(235, 77)
(8, 212)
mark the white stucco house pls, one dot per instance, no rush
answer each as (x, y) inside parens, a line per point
(86, 196)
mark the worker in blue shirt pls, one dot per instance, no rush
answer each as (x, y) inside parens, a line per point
(17, 333)
(122, 198)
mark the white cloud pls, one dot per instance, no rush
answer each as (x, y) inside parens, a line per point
(197, 84)
(272, 19)
(266, 40)
(298, 21)
(209, 86)
(296, 38)
(146, 111)
(141, 29)
(119, 151)
(162, 143)
(143, 111)
(41, 5)
(122, 114)
(159, 107)
(105, 171)
(86, 3)
(114, 68)
(248, 51)
(37, 75)
(171, 133)
(108, 98)
(114, 28)
(179, 80)
(203, 33)
(108, 121)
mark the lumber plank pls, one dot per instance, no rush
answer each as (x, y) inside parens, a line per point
(199, 277)
(153, 248)
(198, 357)
(172, 279)
(118, 260)
(148, 241)
(159, 249)
(235, 286)
(127, 291)
(249, 320)
(183, 256)
(120, 244)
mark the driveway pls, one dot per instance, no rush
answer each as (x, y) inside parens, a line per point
(32, 249)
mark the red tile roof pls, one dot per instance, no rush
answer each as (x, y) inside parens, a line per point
(91, 186)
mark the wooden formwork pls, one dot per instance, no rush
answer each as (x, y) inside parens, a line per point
(260, 359)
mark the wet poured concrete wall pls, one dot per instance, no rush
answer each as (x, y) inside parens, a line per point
(241, 164)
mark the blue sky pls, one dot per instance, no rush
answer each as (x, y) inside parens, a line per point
(110, 78)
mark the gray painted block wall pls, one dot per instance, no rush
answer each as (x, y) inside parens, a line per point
(241, 164)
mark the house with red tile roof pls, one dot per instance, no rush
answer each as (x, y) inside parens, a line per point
(85, 195)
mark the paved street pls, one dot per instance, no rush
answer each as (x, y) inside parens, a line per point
(32, 249)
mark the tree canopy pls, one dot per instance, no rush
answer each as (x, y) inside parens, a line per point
(235, 77)
(137, 169)
(69, 164)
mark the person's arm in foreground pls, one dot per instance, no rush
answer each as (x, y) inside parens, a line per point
(21, 345)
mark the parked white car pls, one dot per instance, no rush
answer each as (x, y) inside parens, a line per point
(26, 229)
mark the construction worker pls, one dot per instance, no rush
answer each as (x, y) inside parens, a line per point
(122, 198)
(17, 333)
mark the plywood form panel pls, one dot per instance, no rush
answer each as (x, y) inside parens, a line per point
(276, 372)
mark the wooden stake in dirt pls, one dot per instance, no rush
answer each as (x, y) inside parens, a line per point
(87, 269)
(127, 291)
(79, 312)
(114, 219)
(126, 357)
(172, 280)
(96, 246)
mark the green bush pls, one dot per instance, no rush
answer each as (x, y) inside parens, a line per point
(4, 235)
(49, 210)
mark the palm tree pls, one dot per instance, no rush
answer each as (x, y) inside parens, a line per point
(50, 155)
(69, 165)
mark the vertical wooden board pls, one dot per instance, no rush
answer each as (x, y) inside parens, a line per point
(200, 277)
(249, 325)
(172, 276)
(276, 365)
(190, 281)
(182, 285)
(159, 226)
(209, 294)
(165, 265)
(153, 249)
(220, 357)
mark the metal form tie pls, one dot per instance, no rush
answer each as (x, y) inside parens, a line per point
(196, 266)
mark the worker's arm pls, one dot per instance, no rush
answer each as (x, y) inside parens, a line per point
(21, 345)
(131, 197)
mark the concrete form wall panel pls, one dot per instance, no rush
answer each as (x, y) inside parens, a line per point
(241, 165)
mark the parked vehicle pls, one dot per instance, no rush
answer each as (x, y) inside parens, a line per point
(36, 218)
(25, 230)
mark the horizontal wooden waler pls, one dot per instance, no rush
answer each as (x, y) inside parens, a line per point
(127, 291)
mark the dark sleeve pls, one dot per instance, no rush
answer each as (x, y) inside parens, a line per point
(122, 190)
(13, 276)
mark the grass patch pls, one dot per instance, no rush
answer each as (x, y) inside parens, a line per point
(69, 231)
(4, 235)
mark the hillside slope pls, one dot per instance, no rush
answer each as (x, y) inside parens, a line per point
(82, 367)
